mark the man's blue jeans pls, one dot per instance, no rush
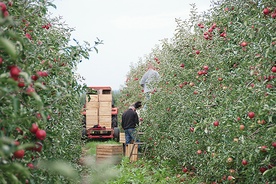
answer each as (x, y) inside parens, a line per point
(147, 97)
(130, 135)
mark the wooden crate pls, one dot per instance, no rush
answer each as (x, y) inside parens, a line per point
(105, 111)
(122, 138)
(91, 121)
(105, 104)
(93, 111)
(92, 104)
(105, 121)
(93, 98)
(113, 152)
(104, 91)
(105, 97)
(134, 156)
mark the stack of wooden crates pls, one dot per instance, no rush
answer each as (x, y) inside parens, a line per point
(98, 109)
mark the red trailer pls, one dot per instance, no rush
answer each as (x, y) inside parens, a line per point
(100, 116)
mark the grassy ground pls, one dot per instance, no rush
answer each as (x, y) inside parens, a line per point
(90, 146)
(143, 171)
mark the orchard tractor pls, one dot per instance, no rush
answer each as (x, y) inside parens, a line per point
(100, 115)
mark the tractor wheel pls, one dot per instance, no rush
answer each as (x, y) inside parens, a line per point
(116, 134)
(83, 134)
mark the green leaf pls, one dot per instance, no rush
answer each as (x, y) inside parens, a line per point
(15, 104)
(38, 84)
(96, 49)
(53, 5)
(8, 46)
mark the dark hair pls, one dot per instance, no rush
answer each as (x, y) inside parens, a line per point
(138, 104)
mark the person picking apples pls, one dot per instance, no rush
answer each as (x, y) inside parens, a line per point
(148, 81)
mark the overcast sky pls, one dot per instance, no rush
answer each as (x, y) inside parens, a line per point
(129, 30)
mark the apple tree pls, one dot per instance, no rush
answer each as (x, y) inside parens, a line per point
(213, 111)
(40, 117)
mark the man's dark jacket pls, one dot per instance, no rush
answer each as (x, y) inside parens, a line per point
(129, 119)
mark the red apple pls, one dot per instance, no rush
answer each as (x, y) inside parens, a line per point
(16, 143)
(30, 165)
(185, 169)
(263, 148)
(223, 34)
(242, 127)
(34, 128)
(266, 11)
(244, 162)
(200, 72)
(34, 77)
(251, 115)
(19, 153)
(269, 86)
(274, 144)
(28, 36)
(273, 15)
(30, 90)
(182, 65)
(243, 44)
(38, 147)
(205, 67)
(14, 71)
(3, 6)
(40, 134)
(216, 123)
(262, 169)
(230, 178)
(21, 84)
(273, 69)
(197, 52)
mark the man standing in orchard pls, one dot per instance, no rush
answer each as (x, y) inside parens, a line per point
(130, 121)
(148, 80)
